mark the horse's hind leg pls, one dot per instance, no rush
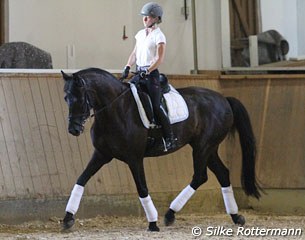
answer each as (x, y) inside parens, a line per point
(200, 157)
(222, 174)
(96, 162)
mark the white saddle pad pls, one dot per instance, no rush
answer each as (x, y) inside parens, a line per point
(176, 105)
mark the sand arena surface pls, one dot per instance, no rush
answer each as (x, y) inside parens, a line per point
(135, 228)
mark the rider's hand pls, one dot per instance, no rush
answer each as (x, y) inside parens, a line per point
(125, 72)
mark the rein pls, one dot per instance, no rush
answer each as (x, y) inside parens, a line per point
(89, 106)
(107, 106)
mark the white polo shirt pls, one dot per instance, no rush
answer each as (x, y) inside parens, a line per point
(146, 46)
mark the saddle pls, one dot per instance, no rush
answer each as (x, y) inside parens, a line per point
(172, 102)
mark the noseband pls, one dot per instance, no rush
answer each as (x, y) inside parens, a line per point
(85, 105)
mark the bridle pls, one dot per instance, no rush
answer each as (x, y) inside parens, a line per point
(84, 116)
(87, 106)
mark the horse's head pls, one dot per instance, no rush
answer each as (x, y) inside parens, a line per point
(78, 103)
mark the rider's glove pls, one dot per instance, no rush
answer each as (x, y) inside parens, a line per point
(125, 72)
(143, 74)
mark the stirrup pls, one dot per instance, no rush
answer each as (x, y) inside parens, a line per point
(169, 143)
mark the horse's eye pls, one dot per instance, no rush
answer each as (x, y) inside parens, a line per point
(70, 99)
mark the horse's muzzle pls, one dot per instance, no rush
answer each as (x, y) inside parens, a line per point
(75, 129)
(74, 132)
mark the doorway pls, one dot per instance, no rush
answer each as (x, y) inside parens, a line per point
(244, 21)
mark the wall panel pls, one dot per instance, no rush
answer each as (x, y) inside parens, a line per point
(276, 107)
(39, 159)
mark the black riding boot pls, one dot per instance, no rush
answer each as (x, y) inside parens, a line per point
(169, 138)
(153, 87)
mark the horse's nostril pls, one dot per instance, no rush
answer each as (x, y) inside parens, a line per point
(74, 133)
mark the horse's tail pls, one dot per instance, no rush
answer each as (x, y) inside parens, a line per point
(248, 147)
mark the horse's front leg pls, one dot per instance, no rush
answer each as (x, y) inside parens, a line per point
(137, 170)
(96, 162)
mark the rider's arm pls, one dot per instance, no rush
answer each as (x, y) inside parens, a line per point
(132, 58)
(159, 57)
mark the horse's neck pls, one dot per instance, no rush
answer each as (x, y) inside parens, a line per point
(106, 90)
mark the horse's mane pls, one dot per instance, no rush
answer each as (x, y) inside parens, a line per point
(97, 71)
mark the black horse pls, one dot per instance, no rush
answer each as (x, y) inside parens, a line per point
(118, 132)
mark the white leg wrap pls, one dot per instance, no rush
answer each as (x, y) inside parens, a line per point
(229, 200)
(182, 198)
(74, 199)
(150, 209)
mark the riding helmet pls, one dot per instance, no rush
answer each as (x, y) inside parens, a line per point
(153, 10)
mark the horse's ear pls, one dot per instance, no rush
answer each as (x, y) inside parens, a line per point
(65, 76)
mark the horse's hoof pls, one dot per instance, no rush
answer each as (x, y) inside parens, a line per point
(68, 221)
(153, 227)
(238, 219)
(169, 218)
